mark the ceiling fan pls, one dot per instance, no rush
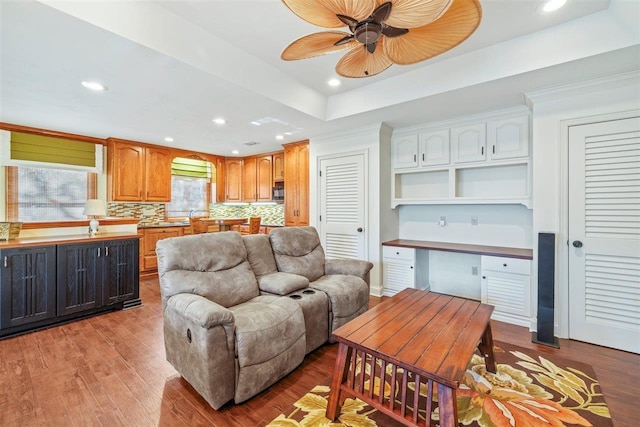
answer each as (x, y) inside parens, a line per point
(382, 32)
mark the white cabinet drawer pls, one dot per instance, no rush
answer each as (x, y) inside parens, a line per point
(395, 252)
(506, 265)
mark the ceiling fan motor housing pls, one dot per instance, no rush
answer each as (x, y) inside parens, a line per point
(367, 32)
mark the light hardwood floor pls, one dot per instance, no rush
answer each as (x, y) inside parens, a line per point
(110, 370)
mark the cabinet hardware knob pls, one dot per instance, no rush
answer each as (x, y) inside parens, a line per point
(106, 250)
(577, 244)
(98, 252)
(484, 277)
(494, 149)
(414, 158)
(397, 253)
(504, 265)
(423, 157)
(6, 262)
(482, 151)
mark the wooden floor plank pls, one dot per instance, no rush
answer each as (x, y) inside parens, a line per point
(110, 370)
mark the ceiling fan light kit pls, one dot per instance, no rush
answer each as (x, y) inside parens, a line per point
(382, 32)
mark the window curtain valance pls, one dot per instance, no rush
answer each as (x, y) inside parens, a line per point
(182, 166)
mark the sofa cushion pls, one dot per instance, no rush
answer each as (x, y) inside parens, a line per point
(282, 283)
(348, 294)
(260, 254)
(213, 265)
(265, 327)
(297, 250)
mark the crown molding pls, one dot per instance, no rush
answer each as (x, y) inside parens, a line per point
(584, 87)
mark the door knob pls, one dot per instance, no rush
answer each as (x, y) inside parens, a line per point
(359, 229)
(577, 244)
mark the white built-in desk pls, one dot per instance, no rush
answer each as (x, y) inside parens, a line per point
(496, 275)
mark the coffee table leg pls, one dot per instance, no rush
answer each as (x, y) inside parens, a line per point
(339, 376)
(448, 406)
(486, 348)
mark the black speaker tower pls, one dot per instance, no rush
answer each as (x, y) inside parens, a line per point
(546, 284)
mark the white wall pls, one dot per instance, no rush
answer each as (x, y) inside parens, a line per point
(553, 110)
(381, 221)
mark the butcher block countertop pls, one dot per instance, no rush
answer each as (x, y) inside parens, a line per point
(501, 251)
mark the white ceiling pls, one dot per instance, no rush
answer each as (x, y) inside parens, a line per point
(172, 66)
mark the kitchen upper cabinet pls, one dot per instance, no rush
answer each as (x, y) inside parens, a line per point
(508, 138)
(257, 179)
(249, 193)
(27, 285)
(137, 172)
(264, 178)
(296, 176)
(433, 148)
(221, 179)
(469, 143)
(278, 166)
(404, 151)
(234, 180)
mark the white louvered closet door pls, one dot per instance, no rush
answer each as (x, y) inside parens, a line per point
(604, 233)
(342, 206)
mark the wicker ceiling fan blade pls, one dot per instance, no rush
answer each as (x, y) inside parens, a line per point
(455, 26)
(323, 12)
(415, 13)
(358, 62)
(317, 44)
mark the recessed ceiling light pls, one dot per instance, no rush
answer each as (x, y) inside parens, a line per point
(255, 123)
(551, 5)
(235, 152)
(334, 82)
(279, 137)
(99, 87)
(219, 121)
(288, 133)
(168, 139)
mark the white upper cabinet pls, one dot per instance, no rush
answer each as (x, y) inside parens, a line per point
(404, 152)
(468, 143)
(508, 138)
(434, 148)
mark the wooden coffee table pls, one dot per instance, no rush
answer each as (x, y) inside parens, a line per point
(416, 337)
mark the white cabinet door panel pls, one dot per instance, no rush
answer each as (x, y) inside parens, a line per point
(404, 152)
(468, 143)
(434, 148)
(509, 138)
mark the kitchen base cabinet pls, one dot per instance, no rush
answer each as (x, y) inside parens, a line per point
(42, 285)
(27, 286)
(399, 270)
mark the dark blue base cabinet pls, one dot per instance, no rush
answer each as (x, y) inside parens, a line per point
(44, 285)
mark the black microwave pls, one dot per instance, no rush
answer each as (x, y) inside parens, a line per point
(278, 191)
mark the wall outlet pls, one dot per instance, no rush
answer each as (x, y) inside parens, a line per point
(474, 270)
(474, 220)
(443, 221)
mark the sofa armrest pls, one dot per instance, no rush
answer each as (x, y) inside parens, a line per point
(200, 310)
(281, 283)
(351, 267)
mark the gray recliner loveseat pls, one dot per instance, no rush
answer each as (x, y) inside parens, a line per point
(241, 312)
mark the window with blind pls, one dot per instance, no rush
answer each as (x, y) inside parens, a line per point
(190, 188)
(48, 178)
(44, 194)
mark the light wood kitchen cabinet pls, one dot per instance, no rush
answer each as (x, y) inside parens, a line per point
(296, 176)
(257, 179)
(221, 179)
(234, 180)
(138, 172)
(151, 237)
(278, 166)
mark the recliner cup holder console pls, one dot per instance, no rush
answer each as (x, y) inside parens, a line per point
(309, 291)
(295, 296)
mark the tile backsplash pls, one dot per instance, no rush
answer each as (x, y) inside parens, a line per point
(153, 213)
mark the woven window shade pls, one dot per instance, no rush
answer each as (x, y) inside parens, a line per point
(45, 149)
(182, 166)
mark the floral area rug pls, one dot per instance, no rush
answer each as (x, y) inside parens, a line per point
(529, 389)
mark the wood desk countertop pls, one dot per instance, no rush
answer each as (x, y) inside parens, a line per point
(500, 251)
(72, 238)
